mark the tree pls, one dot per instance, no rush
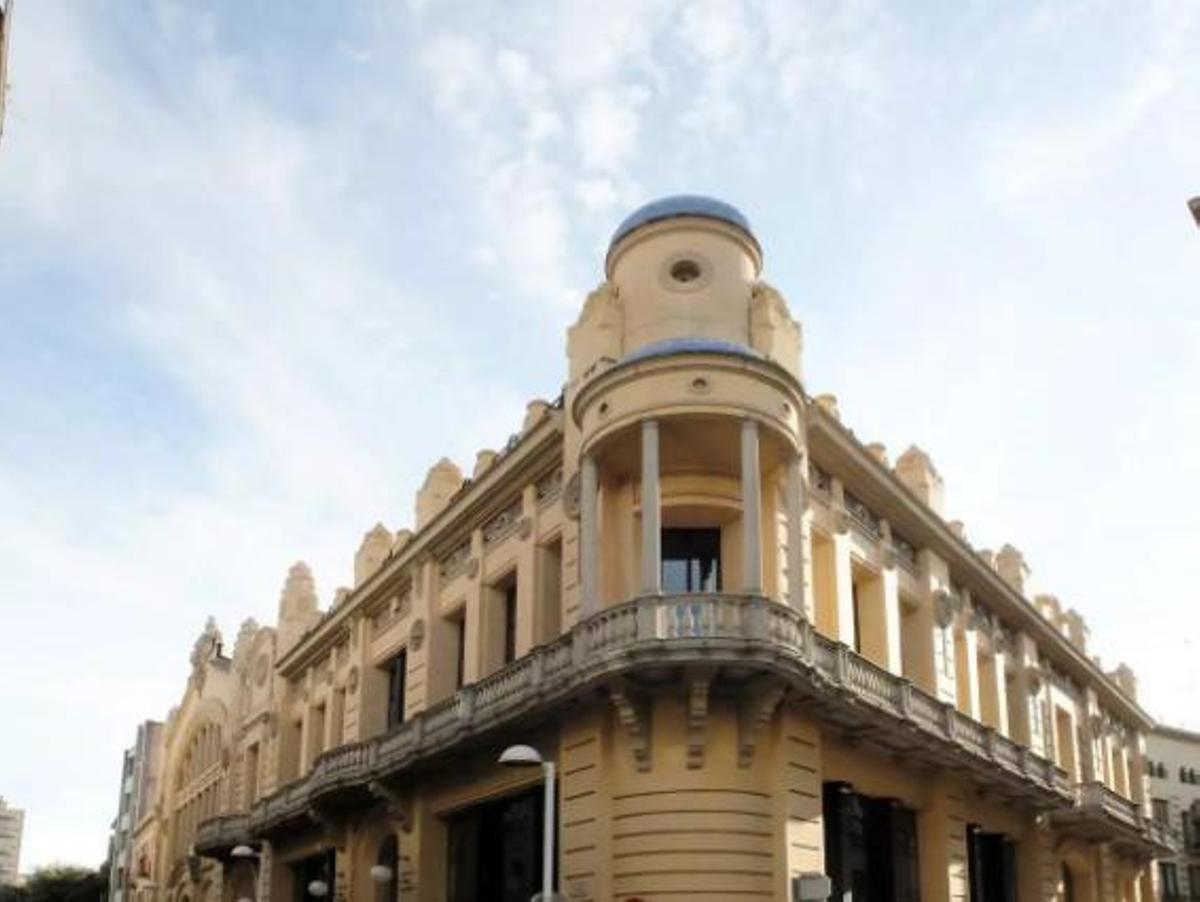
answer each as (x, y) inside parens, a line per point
(60, 883)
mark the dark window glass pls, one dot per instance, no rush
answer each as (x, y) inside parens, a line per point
(870, 847)
(460, 626)
(397, 675)
(510, 622)
(495, 850)
(691, 560)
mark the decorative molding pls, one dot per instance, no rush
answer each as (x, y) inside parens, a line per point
(634, 715)
(397, 803)
(352, 680)
(762, 697)
(525, 528)
(945, 607)
(416, 635)
(331, 826)
(697, 683)
(571, 494)
(473, 568)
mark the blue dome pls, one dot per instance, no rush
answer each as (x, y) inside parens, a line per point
(682, 205)
(692, 345)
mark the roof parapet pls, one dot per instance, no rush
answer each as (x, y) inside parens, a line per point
(915, 469)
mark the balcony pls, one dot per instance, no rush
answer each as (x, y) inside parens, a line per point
(1101, 815)
(744, 634)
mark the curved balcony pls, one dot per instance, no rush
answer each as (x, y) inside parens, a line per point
(745, 633)
(1099, 814)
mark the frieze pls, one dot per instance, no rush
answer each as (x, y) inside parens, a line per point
(503, 524)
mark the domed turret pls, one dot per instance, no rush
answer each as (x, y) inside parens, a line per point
(683, 274)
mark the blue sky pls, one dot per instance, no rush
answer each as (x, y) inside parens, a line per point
(262, 264)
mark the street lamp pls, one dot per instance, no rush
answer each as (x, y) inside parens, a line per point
(246, 853)
(1194, 206)
(318, 888)
(528, 756)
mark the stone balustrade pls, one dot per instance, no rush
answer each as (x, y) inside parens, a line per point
(745, 631)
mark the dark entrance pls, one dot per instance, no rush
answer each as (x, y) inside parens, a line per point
(316, 867)
(496, 850)
(991, 866)
(870, 847)
(691, 560)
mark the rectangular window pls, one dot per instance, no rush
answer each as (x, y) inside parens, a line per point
(510, 621)
(459, 625)
(252, 774)
(1169, 878)
(871, 848)
(691, 560)
(397, 669)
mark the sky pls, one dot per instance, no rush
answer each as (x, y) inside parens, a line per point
(262, 264)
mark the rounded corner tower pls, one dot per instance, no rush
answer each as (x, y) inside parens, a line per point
(685, 267)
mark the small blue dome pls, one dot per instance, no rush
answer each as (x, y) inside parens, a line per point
(682, 205)
(689, 345)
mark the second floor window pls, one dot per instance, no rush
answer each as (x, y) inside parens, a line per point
(397, 675)
(691, 560)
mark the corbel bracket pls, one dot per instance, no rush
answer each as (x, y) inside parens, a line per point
(633, 713)
(758, 706)
(698, 682)
(333, 827)
(398, 802)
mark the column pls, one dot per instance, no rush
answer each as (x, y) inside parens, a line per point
(651, 511)
(589, 551)
(795, 538)
(751, 510)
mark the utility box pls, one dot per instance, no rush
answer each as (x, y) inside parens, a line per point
(811, 886)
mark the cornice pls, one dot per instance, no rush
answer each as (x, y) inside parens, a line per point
(619, 372)
(922, 524)
(471, 504)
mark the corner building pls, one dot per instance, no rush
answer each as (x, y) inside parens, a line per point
(753, 648)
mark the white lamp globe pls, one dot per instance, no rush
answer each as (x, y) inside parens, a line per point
(381, 873)
(318, 888)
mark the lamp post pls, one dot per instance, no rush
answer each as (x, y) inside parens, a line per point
(527, 756)
(246, 853)
(1194, 206)
(382, 874)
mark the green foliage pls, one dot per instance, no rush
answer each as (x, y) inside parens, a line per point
(60, 883)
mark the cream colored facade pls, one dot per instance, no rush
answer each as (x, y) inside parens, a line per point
(1174, 766)
(12, 828)
(753, 646)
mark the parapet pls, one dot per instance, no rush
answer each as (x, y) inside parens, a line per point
(372, 552)
(1011, 566)
(441, 482)
(915, 469)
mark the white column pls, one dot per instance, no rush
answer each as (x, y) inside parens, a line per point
(751, 510)
(589, 551)
(795, 526)
(651, 511)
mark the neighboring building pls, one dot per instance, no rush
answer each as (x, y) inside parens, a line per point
(1174, 767)
(12, 825)
(139, 790)
(752, 645)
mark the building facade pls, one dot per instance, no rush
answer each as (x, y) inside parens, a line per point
(12, 826)
(140, 766)
(753, 646)
(1174, 768)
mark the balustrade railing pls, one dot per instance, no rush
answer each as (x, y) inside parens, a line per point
(700, 623)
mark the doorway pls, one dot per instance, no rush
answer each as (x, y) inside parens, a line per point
(495, 850)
